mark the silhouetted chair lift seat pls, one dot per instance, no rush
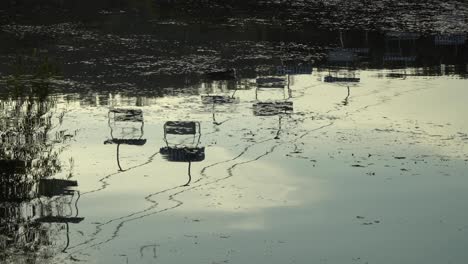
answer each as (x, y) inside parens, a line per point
(272, 108)
(181, 127)
(221, 75)
(400, 48)
(127, 115)
(61, 205)
(183, 154)
(179, 152)
(299, 69)
(244, 84)
(395, 35)
(59, 219)
(122, 116)
(56, 187)
(214, 97)
(173, 152)
(124, 121)
(122, 141)
(450, 40)
(218, 99)
(397, 58)
(336, 79)
(12, 167)
(271, 82)
(342, 56)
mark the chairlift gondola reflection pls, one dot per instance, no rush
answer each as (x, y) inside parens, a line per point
(271, 83)
(278, 108)
(213, 99)
(27, 204)
(62, 205)
(339, 73)
(129, 124)
(400, 48)
(181, 151)
(339, 63)
(300, 69)
(450, 39)
(346, 78)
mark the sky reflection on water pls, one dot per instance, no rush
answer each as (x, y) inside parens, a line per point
(383, 170)
(352, 151)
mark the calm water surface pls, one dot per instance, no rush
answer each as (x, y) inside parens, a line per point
(326, 147)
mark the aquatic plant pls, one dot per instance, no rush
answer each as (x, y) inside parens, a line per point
(30, 147)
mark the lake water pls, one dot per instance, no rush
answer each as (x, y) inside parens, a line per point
(122, 143)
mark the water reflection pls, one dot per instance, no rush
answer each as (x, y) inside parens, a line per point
(178, 150)
(126, 128)
(165, 62)
(215, 98)
(273, 107)
(165, 68)
(36, 204)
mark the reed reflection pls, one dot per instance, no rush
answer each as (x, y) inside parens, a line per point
(38, 198)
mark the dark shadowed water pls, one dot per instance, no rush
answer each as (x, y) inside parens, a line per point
(233, 132)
